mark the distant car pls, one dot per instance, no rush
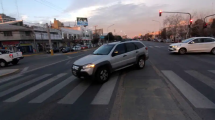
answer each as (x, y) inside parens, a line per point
(76, 48)
(84, 47)
(195, 44)
(66, 49)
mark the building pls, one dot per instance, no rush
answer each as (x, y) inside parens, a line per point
(57, 24)
(42, 39)
(5, 18)
(16, 38)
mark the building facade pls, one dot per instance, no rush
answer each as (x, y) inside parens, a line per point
(16, 38)
(5, 18)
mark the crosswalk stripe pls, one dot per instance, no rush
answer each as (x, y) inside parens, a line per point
(32, 89)
(104, 95)
(213, 71)
(195, 97)
(10, 78)
(22, 85)
(72, 96)
(52, 91)
(208, 81)
(15, 82)
(150, 46)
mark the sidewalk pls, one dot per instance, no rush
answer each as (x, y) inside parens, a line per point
(4, 72)
(32, 54)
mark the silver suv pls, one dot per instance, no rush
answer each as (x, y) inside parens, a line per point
(109, 58)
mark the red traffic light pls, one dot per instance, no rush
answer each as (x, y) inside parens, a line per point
(160, 12)
(191, 21)
(205, 25)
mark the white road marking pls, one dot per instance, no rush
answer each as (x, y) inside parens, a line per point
(53, 63)
(213, 71)
(208, 81)
(22, 85)
(52, 91)
(25, 69)
(69, 57)
(15, 81)
(10, 78)
(151, 46)
(104, 95)
(68, 62)
(195, 97)
(72, 96)
(33, 89)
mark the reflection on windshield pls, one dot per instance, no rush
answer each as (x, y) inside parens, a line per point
(187, 40)
(103, 50)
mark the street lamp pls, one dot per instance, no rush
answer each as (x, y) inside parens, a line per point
(108, 31)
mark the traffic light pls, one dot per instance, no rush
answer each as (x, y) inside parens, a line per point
(205, 25)
(160, 13)
(191, 21)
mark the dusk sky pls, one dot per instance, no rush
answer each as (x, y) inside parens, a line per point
(132, 17)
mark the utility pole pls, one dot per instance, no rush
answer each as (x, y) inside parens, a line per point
(50, 43)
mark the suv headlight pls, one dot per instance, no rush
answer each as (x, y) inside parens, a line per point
(175, 46)
(89, 66)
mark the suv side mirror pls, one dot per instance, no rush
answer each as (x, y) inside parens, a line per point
(0, 53)
(115, 53)
(191, 42)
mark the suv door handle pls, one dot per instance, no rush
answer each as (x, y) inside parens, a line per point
(124, 55)
(137, 51)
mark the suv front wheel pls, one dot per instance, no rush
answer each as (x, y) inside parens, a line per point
(141, 63)
(102, 75)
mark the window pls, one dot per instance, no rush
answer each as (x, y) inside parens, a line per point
(8, 33)
(138, 45)
(198, 41)
(120, 48)
(208, 40)
(104, 49)
(27, 33)
(130, 47)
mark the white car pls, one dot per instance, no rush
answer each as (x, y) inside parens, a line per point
(76, 48)
(195, 44)
(7, 57)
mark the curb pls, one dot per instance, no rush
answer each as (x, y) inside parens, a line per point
(32, 54)
(9, 73)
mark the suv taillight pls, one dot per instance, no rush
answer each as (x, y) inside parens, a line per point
(146, 48)
(11, 55)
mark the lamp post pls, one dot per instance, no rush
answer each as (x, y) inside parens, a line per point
(108, 31)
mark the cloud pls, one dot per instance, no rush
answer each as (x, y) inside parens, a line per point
(24, 17)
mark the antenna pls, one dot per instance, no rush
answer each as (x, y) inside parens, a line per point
(2, 6)
(17, 9)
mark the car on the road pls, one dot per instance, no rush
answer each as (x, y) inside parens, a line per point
(66, 49)
(7, 57)
(195, 44)
(109, 58)
(75, 48)
(84, 47)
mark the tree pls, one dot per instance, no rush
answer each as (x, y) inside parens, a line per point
(95, 40)
(163, 33)
(117, 37)
(110, 36)
(213, 27)
(197, 29)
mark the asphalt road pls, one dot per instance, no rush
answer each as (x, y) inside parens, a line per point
(171, 86)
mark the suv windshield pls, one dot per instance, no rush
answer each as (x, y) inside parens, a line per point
(187, 40)
(103, 50)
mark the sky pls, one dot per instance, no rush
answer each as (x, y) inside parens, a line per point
(130, 17)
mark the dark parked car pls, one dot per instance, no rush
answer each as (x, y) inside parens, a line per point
(66, 49)
(55, 50)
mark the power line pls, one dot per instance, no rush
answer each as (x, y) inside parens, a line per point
(48, 6)
(52, 4)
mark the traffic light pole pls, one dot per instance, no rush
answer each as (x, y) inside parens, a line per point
(182, 13)
(50, 43)
(207, 17)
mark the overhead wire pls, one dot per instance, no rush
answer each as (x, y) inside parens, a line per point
(48, 6)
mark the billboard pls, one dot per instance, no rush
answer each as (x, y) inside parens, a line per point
(82, 21)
